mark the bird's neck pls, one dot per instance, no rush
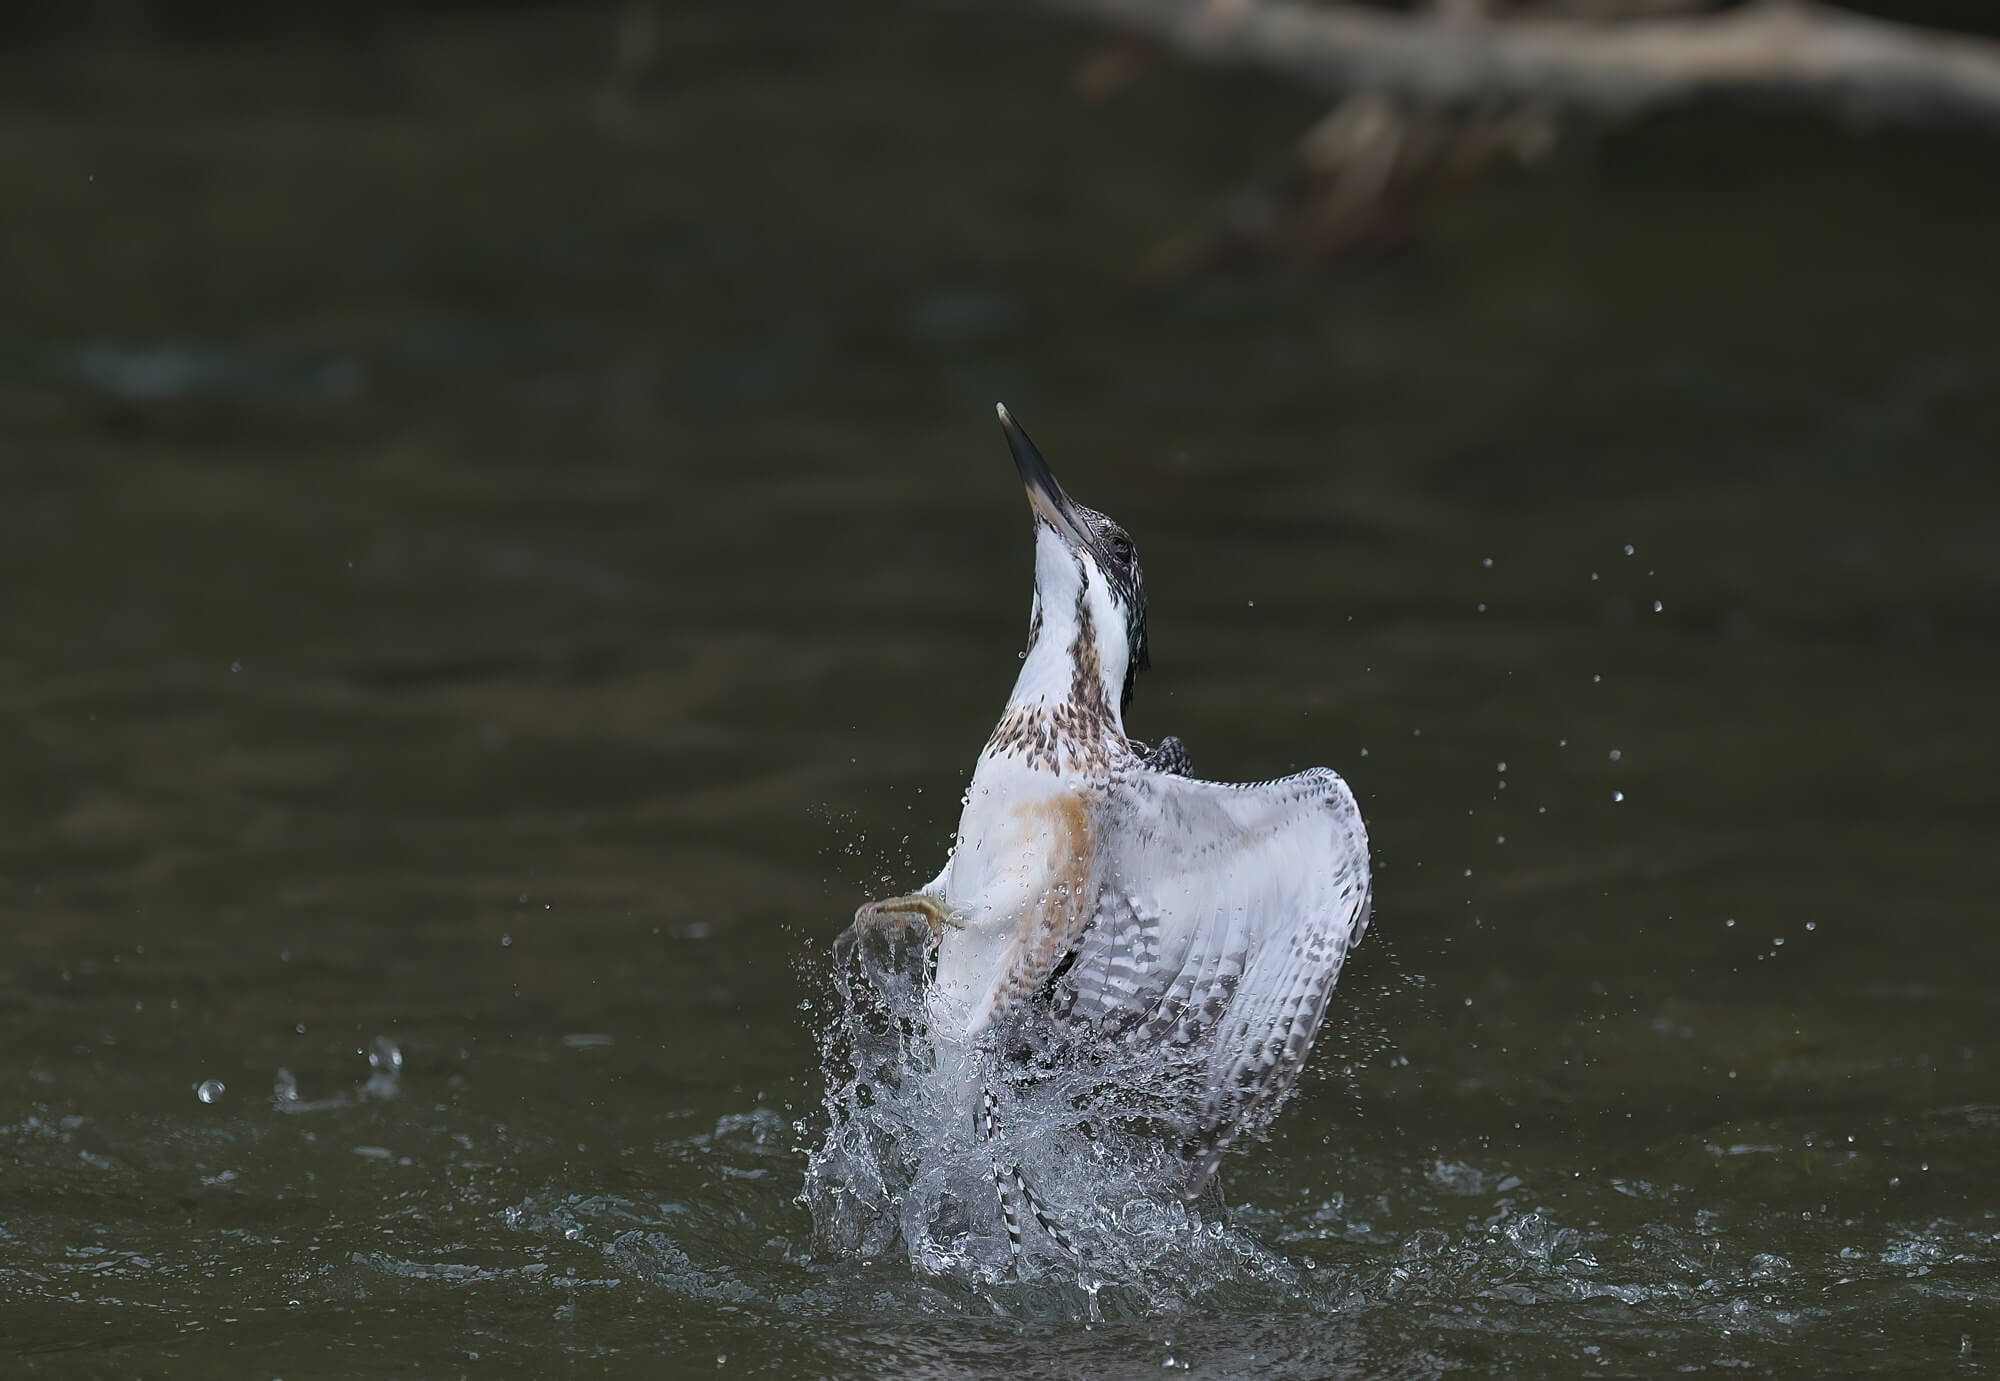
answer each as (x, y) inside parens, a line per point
(1064, 713)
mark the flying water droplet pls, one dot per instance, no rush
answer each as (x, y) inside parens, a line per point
(385, 1069)
(210, 1090)
(1617, 795)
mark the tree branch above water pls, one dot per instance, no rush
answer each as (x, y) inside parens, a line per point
(1426, 100)
(1460, 56)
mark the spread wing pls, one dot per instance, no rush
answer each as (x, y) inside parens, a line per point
(1224, 913)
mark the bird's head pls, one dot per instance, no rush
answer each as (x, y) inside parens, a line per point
(1089, 613)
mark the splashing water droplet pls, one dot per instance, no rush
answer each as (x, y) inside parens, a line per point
(1617, 795)
(385, 1055)
(210, 1090)
(896, 1164)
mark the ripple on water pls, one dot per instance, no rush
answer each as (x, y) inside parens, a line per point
(1727, 1258)
(893, 1179)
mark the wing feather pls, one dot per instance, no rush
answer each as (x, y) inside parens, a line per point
(1223, 915)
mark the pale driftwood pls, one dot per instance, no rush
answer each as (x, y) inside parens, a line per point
(1793, 50)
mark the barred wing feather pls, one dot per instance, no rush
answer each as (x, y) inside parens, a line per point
(1224, 913)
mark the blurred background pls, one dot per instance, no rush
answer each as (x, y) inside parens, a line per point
(505, 544)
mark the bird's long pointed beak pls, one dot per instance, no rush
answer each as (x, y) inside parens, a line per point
(1045, 496)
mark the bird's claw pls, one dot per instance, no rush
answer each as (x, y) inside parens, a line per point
(894, 912)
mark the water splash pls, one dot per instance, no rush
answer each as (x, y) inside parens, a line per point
(385, 1069)
(385, 1081)
(904, 1168)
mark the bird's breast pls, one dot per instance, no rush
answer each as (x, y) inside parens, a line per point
(1019, 882)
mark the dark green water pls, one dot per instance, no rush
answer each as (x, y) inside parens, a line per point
(507, 576)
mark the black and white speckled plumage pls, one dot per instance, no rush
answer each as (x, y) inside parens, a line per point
(1220, 915)
(1103, 887)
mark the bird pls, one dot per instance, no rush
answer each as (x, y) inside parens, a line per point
(1097, 888)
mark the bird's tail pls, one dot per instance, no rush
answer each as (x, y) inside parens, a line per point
(1014, 1191)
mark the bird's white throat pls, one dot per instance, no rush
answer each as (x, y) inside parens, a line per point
(1077, 651)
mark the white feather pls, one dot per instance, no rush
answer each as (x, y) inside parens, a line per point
(1224, 914)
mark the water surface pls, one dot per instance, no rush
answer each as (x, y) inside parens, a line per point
(502, 570)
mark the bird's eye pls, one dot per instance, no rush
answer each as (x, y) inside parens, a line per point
(1121, 548)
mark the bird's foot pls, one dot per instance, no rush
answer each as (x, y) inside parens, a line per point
(894, 913)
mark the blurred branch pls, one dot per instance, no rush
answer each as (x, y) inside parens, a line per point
(1429, 98)
(1365, 177)
(1448, 57)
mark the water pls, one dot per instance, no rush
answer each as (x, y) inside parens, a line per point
(499, 581)
(1083, 1148)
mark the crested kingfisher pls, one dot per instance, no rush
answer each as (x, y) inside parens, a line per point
(1097, 885)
